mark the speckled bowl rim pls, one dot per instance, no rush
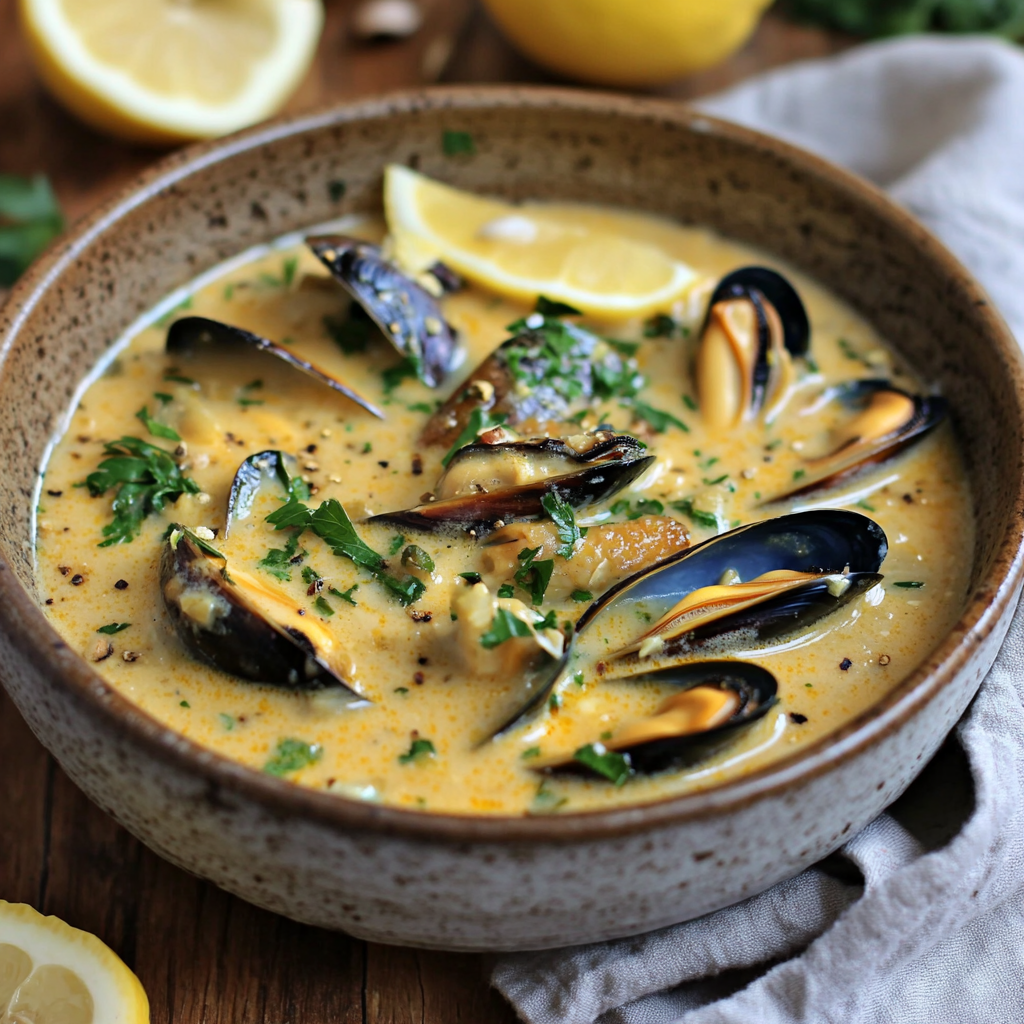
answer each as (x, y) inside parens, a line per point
(24, 621)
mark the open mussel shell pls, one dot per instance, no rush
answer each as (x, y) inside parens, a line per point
(271, 468)
(488, 484)
(885, 421)
(715, 699)
(192, 335)
(407, 314)
(526, 378)
(805, 565)
(773, 288)
(221, 617)
(755, 324)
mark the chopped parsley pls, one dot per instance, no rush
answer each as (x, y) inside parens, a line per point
(331, 523)
(293, 755)
(624, 348)
(690, 402)
(534, 576)
(581, 595)
(277, 561)
(661, 325)
(394, 375)
(864, 505)
(244, 399)
(799, 474)
(156, 428)
(479, 421)
(145, 479)
(288, 269)
(909, 584)
(554, 702)
(323, 607)
(470, 577)
(529, 753)
(113, 627)
(396, 544)
(506, 590)
(349, 334)
(163, 397)
(658, 419)
(696, 515)
(415, 556)
(418, 750)
(504, 627)
(345, 595)
(455, 143)
(609, 763)
(552, 307)
(420, 407)
(716, 481)
(546, 800)
(641, 507)
(228, 721)
(564, 518)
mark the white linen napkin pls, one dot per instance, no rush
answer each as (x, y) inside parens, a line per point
(936, 931)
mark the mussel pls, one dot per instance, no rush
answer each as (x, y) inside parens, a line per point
(408, 315)
(547, 371)
(194, 334)
(273, 468)
(715, 699)
(766, 579)
(487, 484)
(510, 648)
(885, 421)
(756, 323)
(243, 626)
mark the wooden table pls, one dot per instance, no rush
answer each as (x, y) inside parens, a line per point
(205, 957)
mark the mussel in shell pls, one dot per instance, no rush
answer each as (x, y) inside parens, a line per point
(885, 421)
(270, 468)
(487, 484)
(192, 335)
(243, 626)
(407, 314)
(766, 579)
(756, 323)
(550, 369)
(715, 699)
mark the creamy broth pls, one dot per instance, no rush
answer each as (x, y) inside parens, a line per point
(409, 662)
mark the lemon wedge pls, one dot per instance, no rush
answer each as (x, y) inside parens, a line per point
(51, 973)
(600, 262)
(164, 71)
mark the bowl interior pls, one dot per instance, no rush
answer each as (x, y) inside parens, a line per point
(203, 206)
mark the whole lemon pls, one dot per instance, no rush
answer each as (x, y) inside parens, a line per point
(627, 42)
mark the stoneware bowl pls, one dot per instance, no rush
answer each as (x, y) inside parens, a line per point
(494, 883)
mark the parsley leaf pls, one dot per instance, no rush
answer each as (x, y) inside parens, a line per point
(659, 420)
(506, 590)
(909, 584)
(29, 219)
(581, 595)
(552, 307)
(532, 576)
(145, 478)
(457, 143)
(564, 518)
(155, 428)
(696, 515)
(113, 627)
(350, 335)
(504, 627)
(323, 607)
(396, 544)
(642, 507)
(394, 375)
(609, 763)
(418, 749)
(415, 556)
(277, 561)
(663, 326)
(292, 755)
(479, 421)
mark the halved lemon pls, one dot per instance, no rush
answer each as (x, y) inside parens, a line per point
(602, 262)
(162, 71)
(51, 973)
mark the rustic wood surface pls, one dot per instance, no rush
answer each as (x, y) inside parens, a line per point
(205, 957)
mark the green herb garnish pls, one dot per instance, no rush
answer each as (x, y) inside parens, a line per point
(658, 419)
(534, 576)
(415, 556)
(323, 606)
(609, 763)
(699, 516)
(546, 800)
(504, 627)
(418, 749)
(145, 478)
(396, 544)
(394, 375)
(909, 584)
(288, 268)
(29, 219)
(455, 143)
(552, 307)
(562, 515)
(292, 755)
(661, 325)
(155, 428)
(529, 753)
(277, 561)
(506, 590)
(581, 595)
(113, 627)
(228, 721)
(350, 335)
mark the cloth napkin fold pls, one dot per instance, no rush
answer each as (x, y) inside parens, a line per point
(933, 930)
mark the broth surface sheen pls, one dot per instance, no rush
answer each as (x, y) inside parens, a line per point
(409, 661)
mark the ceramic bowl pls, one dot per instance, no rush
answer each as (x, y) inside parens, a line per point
(401, 876)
